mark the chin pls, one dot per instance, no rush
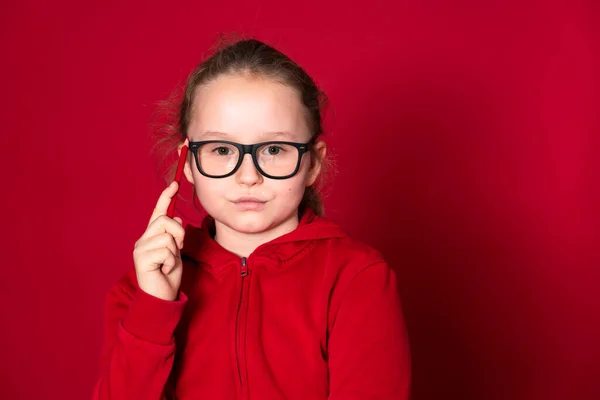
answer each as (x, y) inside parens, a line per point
(251, 222)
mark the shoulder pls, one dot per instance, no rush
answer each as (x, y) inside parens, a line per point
(354, 257)
(359, 276)
(346, 257)
(348, 251)
(355, 251)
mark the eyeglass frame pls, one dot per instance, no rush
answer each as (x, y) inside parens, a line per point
(251, 149)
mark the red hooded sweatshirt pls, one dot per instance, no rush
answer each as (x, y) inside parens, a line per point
(310, 315)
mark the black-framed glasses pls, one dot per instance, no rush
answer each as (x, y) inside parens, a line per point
(274, 160)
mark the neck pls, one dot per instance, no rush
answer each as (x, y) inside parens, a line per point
(243, 244)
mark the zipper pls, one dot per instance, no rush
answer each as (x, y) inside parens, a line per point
(240, 348)
(244, 271)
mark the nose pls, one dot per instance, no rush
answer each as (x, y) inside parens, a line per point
(247, 174)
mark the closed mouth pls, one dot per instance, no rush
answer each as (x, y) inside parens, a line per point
(248, 199)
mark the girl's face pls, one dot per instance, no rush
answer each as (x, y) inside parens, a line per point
(248, 110)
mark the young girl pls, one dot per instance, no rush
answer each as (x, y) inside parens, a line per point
(267, 299)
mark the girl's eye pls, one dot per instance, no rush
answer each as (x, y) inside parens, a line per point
(273, 150)
(223, 151)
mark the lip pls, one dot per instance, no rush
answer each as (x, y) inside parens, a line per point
(248, 199)
(249, 203)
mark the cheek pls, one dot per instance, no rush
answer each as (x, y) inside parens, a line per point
(293, 187)
(209, 189)
(305, 170)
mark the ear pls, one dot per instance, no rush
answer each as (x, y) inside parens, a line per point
(317, 156)
(187, 169)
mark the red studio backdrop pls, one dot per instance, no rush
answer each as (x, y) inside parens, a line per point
(466, 139)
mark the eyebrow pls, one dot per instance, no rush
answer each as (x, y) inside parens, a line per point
(275, 134)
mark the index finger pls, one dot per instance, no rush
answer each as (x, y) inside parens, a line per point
(163, 201)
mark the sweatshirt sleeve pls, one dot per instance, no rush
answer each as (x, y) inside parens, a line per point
(138, 348)
(368, 345)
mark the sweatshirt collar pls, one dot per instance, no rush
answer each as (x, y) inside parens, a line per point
(277, 253)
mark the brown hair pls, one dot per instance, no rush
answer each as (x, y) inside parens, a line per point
(252, 57)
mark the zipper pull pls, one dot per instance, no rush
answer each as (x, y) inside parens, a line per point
(244, 267)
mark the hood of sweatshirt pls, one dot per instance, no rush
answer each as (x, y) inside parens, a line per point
(202, 248)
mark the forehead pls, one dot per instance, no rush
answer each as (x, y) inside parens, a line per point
(247, 109)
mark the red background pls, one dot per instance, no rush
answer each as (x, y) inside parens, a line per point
(466, 138)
